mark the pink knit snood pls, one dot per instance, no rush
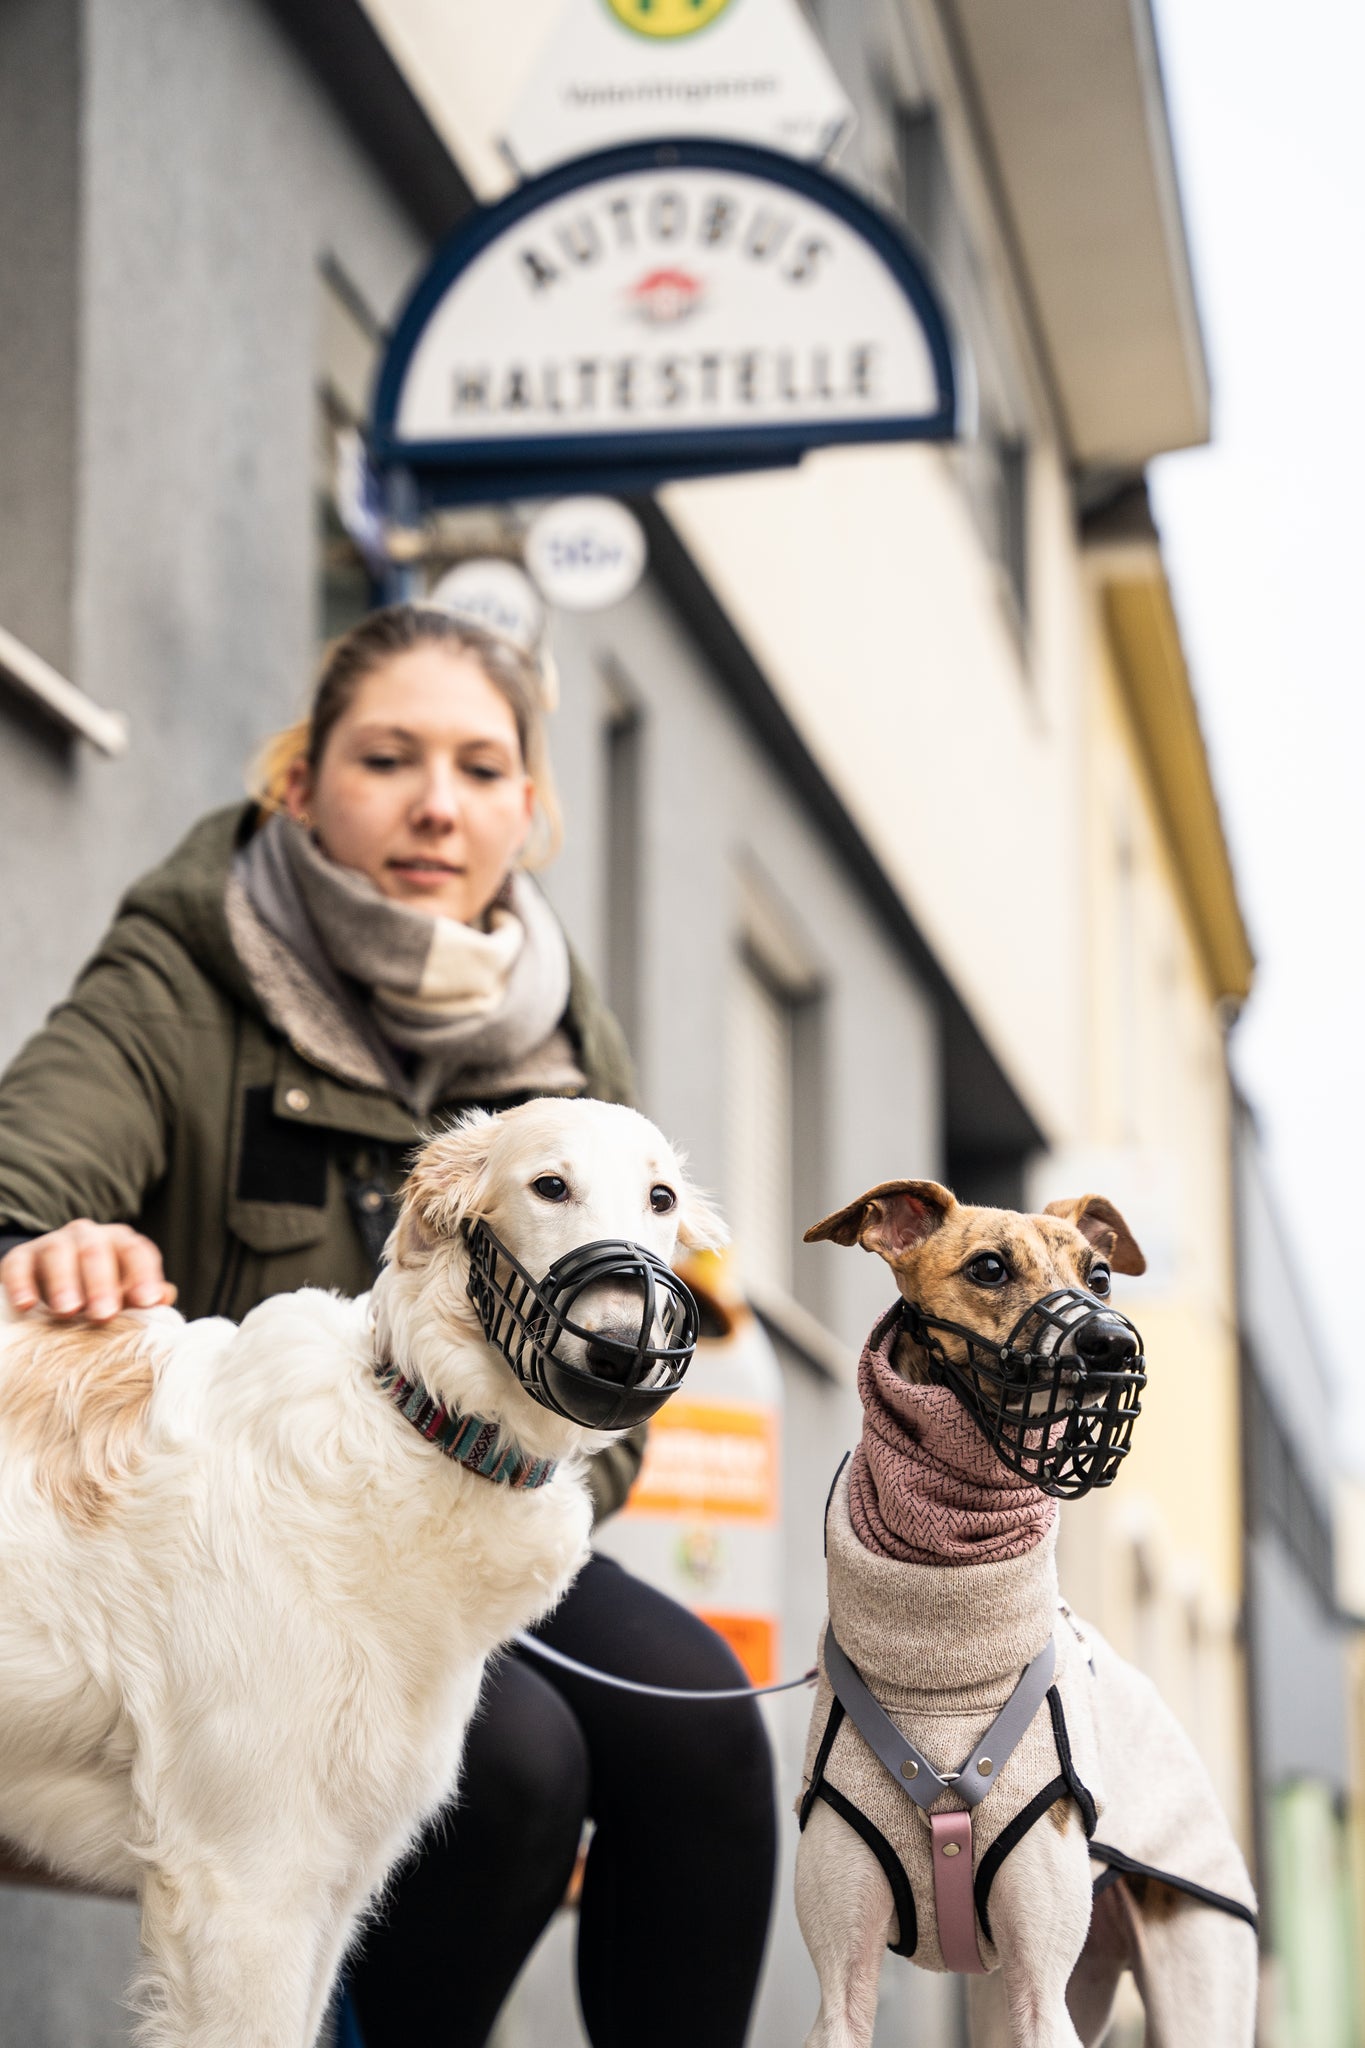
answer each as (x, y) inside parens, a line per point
(924, 1486)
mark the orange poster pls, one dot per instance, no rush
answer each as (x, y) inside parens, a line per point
(752, 1637)
(705, 1458)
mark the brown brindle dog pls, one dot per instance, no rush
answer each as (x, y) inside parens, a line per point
(980, 1267)
(1052, 1970)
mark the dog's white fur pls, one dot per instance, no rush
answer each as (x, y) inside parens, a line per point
(245, 1608)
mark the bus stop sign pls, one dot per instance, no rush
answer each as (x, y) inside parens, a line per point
(659, 311)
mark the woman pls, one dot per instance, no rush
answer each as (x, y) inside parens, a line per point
(220, 1111)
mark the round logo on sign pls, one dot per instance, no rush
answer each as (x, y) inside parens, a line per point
(493, 593)
(585, 553)
(667, 19)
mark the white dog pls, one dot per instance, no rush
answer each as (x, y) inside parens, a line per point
(245, 1605)
(988, 1788)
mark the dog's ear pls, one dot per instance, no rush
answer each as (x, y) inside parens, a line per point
(701, 1227)
(890, 1219)
(1100, 1222)
(448, 1182)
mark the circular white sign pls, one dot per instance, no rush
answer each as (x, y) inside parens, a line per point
(496, 594)
(585, 553)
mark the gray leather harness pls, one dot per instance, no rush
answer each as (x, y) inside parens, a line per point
(912, 1771)
(921, 1782)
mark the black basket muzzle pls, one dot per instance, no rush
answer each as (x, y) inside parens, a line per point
(1058, 1399)
(528, 1320)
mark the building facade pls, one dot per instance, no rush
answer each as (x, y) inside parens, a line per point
(1301, 1645)
(876, 838)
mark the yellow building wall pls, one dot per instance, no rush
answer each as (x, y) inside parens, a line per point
(1158, 1561)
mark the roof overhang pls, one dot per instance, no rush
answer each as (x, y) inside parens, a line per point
(1123, 557)
(1070, 102)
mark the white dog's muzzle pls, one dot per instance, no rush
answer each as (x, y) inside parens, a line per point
(623, 1379)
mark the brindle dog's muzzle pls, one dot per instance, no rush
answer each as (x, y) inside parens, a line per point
(1058, 1399)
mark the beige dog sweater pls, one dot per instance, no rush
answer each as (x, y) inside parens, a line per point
(941, 1647)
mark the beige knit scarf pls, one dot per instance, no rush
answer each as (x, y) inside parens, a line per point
(453, 998)
(924, 1485)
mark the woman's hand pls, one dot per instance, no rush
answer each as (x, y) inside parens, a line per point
(85, 1268)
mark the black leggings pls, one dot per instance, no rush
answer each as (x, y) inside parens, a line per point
(679, 1879)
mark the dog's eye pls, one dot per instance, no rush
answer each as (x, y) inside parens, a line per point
(1099, 1280)
(988, 1269)
(550, 1188)
(662, 1199)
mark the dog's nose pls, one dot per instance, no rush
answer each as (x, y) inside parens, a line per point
(1105, 1343)
(609, 1360)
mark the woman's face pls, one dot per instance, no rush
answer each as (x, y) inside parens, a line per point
(422, 786)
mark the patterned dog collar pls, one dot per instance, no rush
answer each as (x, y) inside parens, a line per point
(468, 1439)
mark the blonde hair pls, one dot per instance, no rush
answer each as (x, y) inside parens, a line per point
(397, 629)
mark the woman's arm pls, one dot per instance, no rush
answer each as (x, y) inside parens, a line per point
(613, 1472)
(85, 1114)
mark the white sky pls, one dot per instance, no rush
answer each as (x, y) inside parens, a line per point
(1263, 534)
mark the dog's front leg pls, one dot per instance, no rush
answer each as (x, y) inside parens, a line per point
(1040, 1913)
(337, 1943)
(846, 1914)
(226, 1965)
(1089, 1996)
(1196, 1972)
(341, 1933)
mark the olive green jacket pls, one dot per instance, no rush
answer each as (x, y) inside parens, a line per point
(158, 1094)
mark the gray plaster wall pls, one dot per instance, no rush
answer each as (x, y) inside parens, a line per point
(1303, 1723)
(40, 81)
(64, 1964)
(170, 177)
(1284, 1345)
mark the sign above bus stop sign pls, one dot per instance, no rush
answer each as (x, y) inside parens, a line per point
(659, 311)
(615, 71)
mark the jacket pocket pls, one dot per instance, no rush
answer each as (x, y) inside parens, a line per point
(281, 1174)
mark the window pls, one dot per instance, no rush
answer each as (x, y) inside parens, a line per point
(775, 1096)
(1010, 540)
(349, 341)
(1196, 1662)
(622, 773)
(762, 1120)
(926, 195)
(1127, 981)
(1146, 1652)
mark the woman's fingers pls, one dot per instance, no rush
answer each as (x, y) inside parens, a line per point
(57, 1271)
(97, 1263)
(90, 1268)
(18, 1279)
(141, 1273)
